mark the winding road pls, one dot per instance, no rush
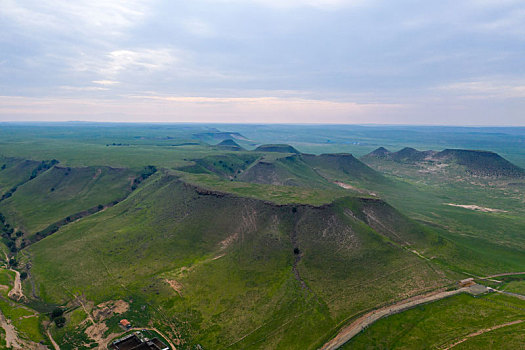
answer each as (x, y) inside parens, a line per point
(367, 319)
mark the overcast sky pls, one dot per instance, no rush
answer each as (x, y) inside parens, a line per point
(292, 61)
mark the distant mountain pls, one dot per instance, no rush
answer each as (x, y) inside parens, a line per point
(406, 155)
(380, 152)
(474, 162)
(409, 154)
(341, 164)
(286, 171)
(229, 144)
(215, 136)
(481, 163)
(282, 148)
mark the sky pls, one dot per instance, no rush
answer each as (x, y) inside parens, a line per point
(264, 61)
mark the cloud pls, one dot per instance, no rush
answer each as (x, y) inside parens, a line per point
(113, 63)
(198, 27)
(73, 17)
(486, 88)
(288, 4)
(84, 88)
(105, 82)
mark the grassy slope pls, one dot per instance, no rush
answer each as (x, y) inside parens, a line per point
(62, 191)
(446, 321)
(495, 238)
(284, 171)
(15, 172)
(247, 298)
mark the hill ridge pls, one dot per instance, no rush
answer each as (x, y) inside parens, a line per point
(475, 162)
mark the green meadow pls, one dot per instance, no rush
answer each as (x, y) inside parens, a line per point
(267, 247)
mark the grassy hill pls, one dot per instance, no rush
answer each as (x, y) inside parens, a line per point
(342, 166)
(472, 162)
(229, 145)
(63, 191)
(285, 171)
(253, 274)
(280, 148)
(15, 172)
(481, 163)
(226, 166)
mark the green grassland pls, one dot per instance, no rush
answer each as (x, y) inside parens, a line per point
(244, 297)
(264, 249)
(26, 320)
(442, 323)
(496, 237)
(64, 191)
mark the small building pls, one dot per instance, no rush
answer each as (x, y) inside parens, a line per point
(137, 341)
(467, 282)
(125, 323)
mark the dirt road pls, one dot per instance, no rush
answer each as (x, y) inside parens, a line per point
(505, 274)
(13, 341)
(475, 334)
(367, 319)
(11, 335)
(16, 293)
(55, 345)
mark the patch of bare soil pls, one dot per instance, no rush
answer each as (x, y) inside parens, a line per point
(229, 240)
(97, 316)
(87, 306)
(477, 208)
(475, 334)
(109, 308)
(16, 293)
(177, 287)
(353, 188)
(369, 318)
(97, 173)
(96, 332)
(13, 341)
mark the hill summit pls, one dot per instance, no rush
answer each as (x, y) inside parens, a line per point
(481, 163)
(474, 162)
(281, 148)
(229, 144)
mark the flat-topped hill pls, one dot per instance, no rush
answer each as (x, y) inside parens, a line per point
(481, 163)
(278, 260)
(405, 155)
(229, 144)
(474, 162)
(281, 148)
(218, 136)
(342, 164)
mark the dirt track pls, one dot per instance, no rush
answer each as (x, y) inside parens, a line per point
(55, 345)
(483, 331)
(16, 293)
(369, 318)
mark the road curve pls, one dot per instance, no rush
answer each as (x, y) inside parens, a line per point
(367, 319)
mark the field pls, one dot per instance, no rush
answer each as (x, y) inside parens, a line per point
(443, 323)
(257, 247)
